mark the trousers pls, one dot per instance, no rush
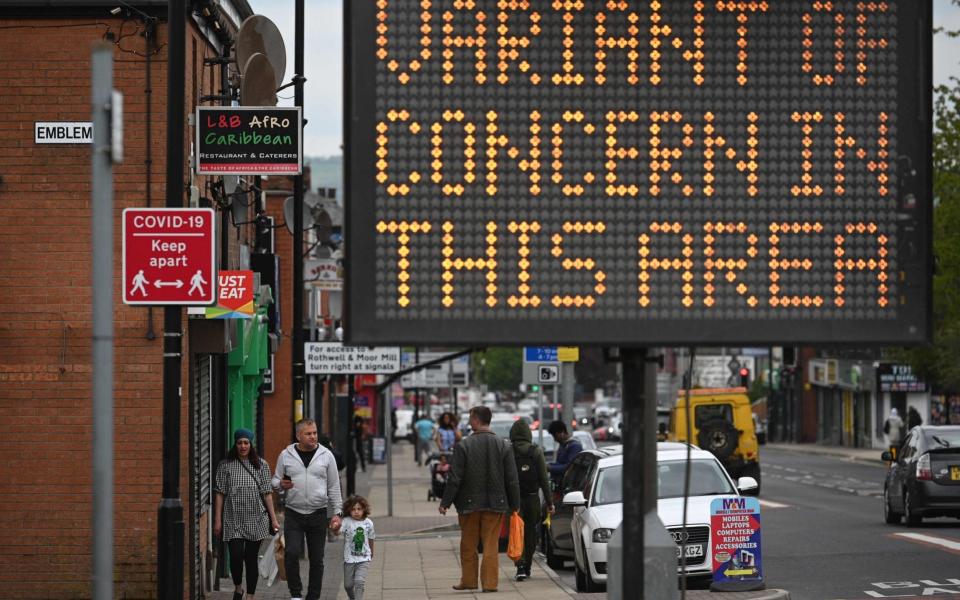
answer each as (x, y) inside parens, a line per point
(479, 526)
(355, 578)
(314, 526)
(530, 513)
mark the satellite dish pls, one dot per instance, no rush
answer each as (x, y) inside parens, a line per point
(258, 34)
(323, 224)
(288, 214)
(258, 86)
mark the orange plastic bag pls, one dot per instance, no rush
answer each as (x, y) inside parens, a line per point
(515, 541)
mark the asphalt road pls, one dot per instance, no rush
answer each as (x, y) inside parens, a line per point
(824, 537)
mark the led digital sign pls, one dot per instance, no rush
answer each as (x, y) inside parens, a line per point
(638, 172)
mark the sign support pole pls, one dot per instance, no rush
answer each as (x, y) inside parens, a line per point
(102, 205)
(296, 389)
(639, 463)
(170, 527)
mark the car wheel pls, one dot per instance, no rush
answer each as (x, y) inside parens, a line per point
(719, 437)
(589, 584)
(912, 519)
(553, 561)
(890, 516)
(580, 577)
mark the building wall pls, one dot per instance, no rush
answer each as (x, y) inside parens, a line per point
(277, 407)
(45, 341)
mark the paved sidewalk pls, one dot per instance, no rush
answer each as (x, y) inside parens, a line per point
(867, 455)
(416, 555)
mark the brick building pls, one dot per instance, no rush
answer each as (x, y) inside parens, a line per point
(45, 264)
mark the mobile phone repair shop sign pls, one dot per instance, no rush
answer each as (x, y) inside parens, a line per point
(247, 140)
(639, 172)
(735, 540)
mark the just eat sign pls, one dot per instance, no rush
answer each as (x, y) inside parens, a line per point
(169, 256)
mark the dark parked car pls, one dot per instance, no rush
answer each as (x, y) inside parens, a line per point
(924, 481)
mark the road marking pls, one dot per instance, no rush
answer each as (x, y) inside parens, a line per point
(947, 544)
(770, 504)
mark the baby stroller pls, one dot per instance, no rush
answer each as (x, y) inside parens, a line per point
(439, 464)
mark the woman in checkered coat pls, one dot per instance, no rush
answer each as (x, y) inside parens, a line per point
(243, 509)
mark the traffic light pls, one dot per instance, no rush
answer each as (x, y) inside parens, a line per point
(745, 377)
(534, 388)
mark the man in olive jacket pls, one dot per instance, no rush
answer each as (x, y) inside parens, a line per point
(532, 475)
(483, 485)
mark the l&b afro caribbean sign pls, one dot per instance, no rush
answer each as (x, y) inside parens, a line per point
(247, 140)
(655, 172)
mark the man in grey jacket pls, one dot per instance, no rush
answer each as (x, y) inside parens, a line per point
(483, 485)
(308, 473)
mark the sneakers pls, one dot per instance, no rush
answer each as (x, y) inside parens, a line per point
(521, 573)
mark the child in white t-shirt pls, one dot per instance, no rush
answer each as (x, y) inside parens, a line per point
(358, 537)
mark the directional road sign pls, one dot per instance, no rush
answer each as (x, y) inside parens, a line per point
(169, 256)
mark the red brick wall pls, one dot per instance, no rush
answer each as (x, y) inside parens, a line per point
(278, 408)
(45, 364)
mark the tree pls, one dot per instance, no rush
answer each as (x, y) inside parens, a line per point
(503, 370)
(940, 363)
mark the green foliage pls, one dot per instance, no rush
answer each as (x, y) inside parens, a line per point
(503, 370)
(939, 364)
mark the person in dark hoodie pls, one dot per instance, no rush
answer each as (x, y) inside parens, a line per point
(532, 475)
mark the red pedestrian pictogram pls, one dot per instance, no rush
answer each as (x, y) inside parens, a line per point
(169, 256)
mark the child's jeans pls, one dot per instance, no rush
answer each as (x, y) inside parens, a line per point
(354, 578)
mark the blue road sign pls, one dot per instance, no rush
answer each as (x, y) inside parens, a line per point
(540, 354)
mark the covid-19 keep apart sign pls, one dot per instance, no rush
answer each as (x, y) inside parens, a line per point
(638, 172)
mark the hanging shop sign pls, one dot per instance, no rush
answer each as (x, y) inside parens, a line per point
(639, 172)
(234, 296)
(249, 140)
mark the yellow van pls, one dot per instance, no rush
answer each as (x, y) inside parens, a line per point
(723, 425)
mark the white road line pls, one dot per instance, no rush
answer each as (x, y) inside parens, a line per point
(770, 504)
(948, 544)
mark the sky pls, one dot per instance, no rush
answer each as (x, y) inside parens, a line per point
(323, 62)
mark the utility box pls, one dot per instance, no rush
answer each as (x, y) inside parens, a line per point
(660, 562)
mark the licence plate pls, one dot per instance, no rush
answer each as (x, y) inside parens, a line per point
(954, 473)
(692, 551)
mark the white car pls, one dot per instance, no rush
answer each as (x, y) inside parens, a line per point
(593, 519)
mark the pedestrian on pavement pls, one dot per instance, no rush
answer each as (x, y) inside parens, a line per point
(359, 437)
(447, 433)
(358, 536)
(893, 429)
(483, 485)
(243, 509)
(424, 429)
(913, 418)
(307, 471)
(567, 448)
(532, 477)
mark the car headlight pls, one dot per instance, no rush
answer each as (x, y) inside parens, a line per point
(601, 535)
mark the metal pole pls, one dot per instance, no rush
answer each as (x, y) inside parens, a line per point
(453, 389)
(556, 409)
(352, 442)
(385, 405)
(296, 365)
(540, 417)
(639, 461)
(170, 514)
(102, 217)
